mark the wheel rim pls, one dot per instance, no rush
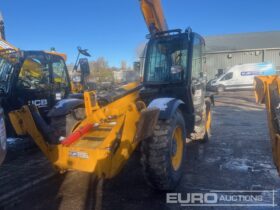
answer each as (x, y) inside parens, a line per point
(177, 148)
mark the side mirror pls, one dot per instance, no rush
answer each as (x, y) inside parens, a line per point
(176, 69)
(83, 52)
(85, 70)
(84, 65)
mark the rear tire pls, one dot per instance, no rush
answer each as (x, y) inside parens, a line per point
(3, 150)
(164, 155)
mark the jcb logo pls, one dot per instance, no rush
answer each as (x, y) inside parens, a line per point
(39, 103)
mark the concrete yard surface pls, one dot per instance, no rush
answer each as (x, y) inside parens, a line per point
(237, 158)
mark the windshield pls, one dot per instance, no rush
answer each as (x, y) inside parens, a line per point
(34, 73)
(36, 68)
(59, 71)
(6, 69)
(163, 54)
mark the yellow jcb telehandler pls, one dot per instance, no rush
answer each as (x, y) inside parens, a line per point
(168, 107)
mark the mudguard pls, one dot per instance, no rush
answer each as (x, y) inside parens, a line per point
(76, 95)
(167, 106)
(65, 106)
(3, 137)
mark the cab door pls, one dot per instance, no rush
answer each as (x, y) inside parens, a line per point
(33, 83)
(198, 76)
(59, 78)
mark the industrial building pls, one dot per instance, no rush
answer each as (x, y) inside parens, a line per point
(225, 51)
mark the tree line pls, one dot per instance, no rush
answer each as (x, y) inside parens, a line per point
(100, 71)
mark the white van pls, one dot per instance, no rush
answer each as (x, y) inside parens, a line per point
(241, 77)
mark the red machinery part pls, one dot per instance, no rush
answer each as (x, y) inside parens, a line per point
(76, 135)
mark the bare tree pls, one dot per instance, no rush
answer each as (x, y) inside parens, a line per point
(124, 65)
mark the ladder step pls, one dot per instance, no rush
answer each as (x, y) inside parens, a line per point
(103, 129)
(92, 138)
(108, 125)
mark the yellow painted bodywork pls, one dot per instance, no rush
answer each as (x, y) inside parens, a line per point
(76, 87)
(104, 149)
(4, 45)
(267, 91)
(208, 121)
(62, 55)
(153, 15)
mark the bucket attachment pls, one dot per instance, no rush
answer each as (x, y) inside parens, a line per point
(267, 91)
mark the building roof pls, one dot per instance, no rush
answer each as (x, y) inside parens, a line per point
(242, 41)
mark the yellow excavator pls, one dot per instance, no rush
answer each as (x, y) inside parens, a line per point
(158, 115)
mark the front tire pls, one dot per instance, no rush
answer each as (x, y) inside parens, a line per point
(3, 141)
(164, 155)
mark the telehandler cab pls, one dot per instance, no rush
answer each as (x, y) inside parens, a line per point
(35, 77)
(174, 81)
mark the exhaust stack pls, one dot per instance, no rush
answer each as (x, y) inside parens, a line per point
(2, 27)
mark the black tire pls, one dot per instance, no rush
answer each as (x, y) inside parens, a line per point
(157, 154)
(3, 150)
(64, 125)
(3, 140)
(220, 89)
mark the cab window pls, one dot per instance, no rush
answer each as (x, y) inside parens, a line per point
(228, 76)
(6, 70)
(163, 55)
(34, 73)
(59, 71)
(197, 70)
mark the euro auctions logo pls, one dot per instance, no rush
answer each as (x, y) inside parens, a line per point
(224, 198)
(192, 198)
